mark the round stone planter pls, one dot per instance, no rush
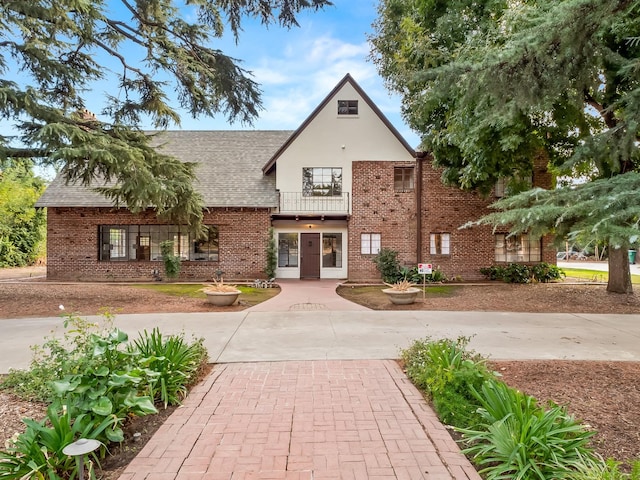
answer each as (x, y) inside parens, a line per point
(222, 299)
(402, 297)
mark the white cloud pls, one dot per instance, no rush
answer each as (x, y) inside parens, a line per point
(298, 72)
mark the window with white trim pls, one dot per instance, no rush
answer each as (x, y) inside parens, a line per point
(370, 243)
(439, 244)
(331, 250)
(517, 248)
(287, 250)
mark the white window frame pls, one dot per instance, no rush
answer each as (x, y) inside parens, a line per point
(370, 243)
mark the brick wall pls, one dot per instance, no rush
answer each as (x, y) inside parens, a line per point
(445, 210)
(378, 208)
(72, 245)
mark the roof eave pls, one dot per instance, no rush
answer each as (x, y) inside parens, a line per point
(270, 165)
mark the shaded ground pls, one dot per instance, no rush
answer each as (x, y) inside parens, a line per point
(604, 395)
(43, 299)
(501, 297)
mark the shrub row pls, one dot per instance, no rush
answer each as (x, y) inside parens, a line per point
(93, 380)
(519, 273)
(504, 431)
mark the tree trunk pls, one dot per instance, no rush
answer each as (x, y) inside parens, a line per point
(619, 272)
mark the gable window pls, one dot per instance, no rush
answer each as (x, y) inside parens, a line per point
(347, 107)
(287, 249)
(517, 248)
(331, 250)
(439, 244)
(321, 181)
(142, 243)
(403, 179)
(370, 243)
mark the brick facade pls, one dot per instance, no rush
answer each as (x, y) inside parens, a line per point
(72, 245)
(377, 208)
(72, 233)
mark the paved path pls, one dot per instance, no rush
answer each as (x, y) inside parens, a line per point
(341, 335)
(302, 420)
(323, 400)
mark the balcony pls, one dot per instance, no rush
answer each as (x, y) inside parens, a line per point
(292, 203)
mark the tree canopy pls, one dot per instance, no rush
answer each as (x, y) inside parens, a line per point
(21, 224)
(493, 85)
(52, 53)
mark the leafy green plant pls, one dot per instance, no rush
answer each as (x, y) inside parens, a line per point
(22, 226)
(494, 272)
(172, 263)
(598, 469)
(388, 265)
(272, 255)
(56, 358)
(109, 389)
(37, 453)
(544, 272)
(413, 275)
(175, 364)
(517, 439)
(99, 378)
(517, 273)
(512, 273)
(447, 372)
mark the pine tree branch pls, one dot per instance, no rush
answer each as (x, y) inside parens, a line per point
(10, 152)
(120, 57)
(118, 27)
(138, 17)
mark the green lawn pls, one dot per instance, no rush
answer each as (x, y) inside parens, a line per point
(250, 295)
(593, 275)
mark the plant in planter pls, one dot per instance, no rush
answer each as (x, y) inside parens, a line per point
(403, 292)
(220, 294)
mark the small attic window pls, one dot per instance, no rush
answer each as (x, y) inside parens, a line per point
(347, 107)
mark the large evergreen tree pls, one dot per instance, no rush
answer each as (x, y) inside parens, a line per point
(493, 84)
(53, 51)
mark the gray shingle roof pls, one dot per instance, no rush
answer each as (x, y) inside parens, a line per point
(229, 173)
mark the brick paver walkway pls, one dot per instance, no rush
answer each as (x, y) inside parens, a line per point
(302, 420)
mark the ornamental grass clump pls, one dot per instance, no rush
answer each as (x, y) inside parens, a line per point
(518, 439)
(220, 287)
(401, 285)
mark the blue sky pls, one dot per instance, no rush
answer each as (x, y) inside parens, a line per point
(297, 68)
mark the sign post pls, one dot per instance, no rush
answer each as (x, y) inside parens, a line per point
(424, 269)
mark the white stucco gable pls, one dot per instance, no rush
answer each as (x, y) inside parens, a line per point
(328, 138)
